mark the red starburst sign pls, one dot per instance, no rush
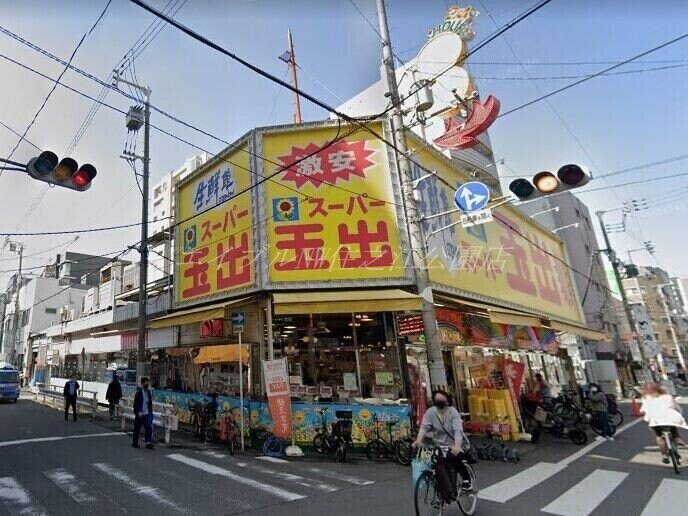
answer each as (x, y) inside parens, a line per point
(338, 162)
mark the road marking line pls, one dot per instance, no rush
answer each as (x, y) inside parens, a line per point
(77, 489)
(585, 450)
(519, 483)
(214, 454)
(216, 470)
(303, 481)
(155, 494)
(272, 459)
(669, 499)
(341, 477)
(587, 494)
(56, 438)
(17, 500)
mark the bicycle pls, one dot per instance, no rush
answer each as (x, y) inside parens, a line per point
(338, 440)
(274, 447)
(379, 448)
(203, 419)
(231, 430)
(426, 494)
(672, 449)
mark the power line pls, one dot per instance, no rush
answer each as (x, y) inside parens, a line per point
(45, 101)
(597, 74)
(78, 231)
(20, 136)
(375, 29)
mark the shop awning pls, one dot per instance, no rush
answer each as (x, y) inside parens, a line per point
(514, 318)
(582, 331)
(193, 315)
(345, 302)
(222, 353)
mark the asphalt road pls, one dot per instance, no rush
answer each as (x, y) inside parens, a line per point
(49, 466)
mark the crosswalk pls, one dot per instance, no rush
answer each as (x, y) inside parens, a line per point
(587, 495)
(176, 483)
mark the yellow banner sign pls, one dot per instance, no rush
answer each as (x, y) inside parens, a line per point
(509, 260)
(214, 242)
(331, 216)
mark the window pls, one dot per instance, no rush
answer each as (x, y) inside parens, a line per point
(587, 222)
(51, 310)
(587, 249)
(578, 214)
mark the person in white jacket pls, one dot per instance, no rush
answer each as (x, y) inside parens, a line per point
(662, 413)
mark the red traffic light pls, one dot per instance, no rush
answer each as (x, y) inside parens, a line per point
(66, 173)
(573, 175)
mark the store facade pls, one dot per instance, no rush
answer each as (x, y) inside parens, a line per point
(314, 259)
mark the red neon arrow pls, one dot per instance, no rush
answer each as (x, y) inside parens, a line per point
(463, 136)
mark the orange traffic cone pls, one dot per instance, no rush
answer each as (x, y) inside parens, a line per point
(635, 408)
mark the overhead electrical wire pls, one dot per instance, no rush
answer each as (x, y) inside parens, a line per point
(47, 97)
(20, 136)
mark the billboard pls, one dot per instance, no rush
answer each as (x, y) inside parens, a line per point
(510, 261)
(333, 215)
(214, 239)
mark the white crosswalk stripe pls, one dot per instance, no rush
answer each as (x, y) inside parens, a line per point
(669, 499)
(334, 475)
(17, 500)
(75, 488)
(587, 494)
(517, 484)
(297, 479)
(155, 494)
(216, 470)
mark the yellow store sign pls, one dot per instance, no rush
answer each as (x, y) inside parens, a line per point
(509, 261)
(214, 239)
(332, 215)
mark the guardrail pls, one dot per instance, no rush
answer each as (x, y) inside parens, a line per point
(163, 416)
(55, 393)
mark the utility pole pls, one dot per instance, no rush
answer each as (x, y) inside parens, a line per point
(670, 322)
(617, 275)
(294, 80)
(12, 355)
(438, 375)
(134, 123)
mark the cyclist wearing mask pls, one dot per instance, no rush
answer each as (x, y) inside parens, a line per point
(444, 424)
(662, 412)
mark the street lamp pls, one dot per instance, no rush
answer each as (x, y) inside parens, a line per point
(574, 225)
(556, 208)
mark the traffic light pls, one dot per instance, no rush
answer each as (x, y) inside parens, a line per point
(545, 183)
(66, 173)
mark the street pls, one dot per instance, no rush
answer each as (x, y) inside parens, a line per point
(49, 466)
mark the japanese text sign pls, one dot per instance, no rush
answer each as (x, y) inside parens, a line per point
(215, 238)
(277, 387)
(331, 216)
(510, 259)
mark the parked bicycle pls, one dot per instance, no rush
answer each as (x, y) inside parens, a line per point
(537, 420)
(337, 441)
(203, 419)
(229, 430)
(380, 448)
(428, 498)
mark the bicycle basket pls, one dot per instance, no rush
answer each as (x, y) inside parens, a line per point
(540, 415)
(418, 466)
(344, 414)
(343, 428)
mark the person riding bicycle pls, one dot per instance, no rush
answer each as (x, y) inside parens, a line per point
(662, 413)
(444, 424)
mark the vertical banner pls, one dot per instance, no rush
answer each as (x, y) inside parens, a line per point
(513, 376)
(277, 385)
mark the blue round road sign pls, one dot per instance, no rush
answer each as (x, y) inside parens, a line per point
(472, 196)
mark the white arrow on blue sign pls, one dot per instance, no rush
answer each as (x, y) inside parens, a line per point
(238, 318)
(472, 196)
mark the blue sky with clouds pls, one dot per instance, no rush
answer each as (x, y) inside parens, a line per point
(609, 123)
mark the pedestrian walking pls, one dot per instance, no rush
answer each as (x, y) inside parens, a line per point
(113, 395)
(599, 404)
(143, 414)
(71, 389)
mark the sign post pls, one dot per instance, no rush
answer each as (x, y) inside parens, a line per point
(238, 319)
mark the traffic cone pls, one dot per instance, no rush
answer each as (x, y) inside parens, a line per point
(635, 408)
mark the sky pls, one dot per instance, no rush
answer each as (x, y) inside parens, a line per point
(609, 123)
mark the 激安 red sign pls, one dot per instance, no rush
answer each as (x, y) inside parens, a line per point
(279, 402)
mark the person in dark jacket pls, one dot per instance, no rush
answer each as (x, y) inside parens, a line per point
(143, 414)
(71, 390)
(113, 395)
(600, 411)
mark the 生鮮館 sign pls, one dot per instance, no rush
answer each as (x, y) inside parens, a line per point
(215, 233)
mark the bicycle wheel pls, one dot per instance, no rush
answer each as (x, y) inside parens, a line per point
(402, 452)
(468, 497)
(273, 447)
(578, 437)
(376, 450)
(342, 452)
(426, 499)
(673, 452)
(320, 443)
(616, 418)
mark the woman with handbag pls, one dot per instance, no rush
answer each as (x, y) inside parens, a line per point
(442, 423)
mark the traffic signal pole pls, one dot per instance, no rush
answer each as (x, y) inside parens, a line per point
(438, 375)
(143, 245)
